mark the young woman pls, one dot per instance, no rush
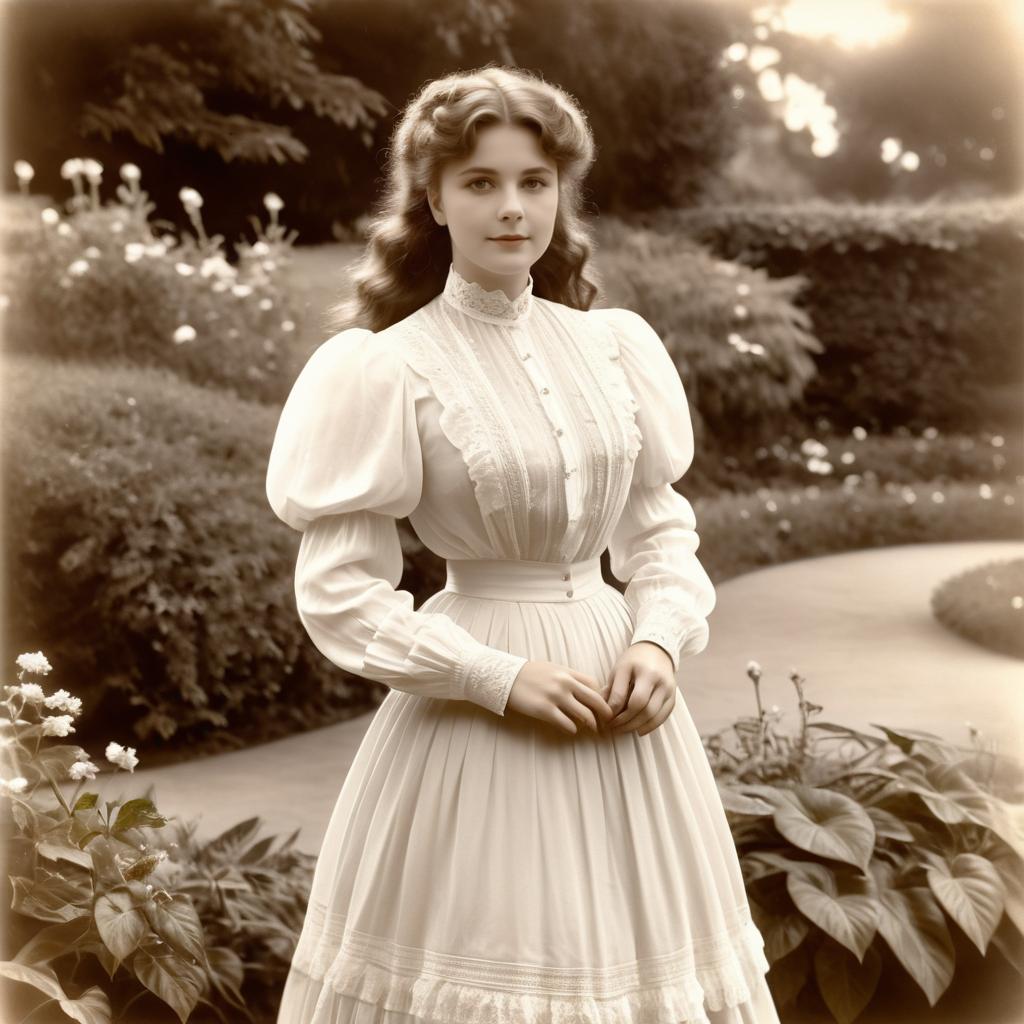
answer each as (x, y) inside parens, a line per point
(530, 832)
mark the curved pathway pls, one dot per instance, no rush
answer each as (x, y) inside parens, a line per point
(857, 626)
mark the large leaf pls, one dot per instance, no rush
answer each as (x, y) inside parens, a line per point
(842, 906)
(888, 825)
(42, 978)
(91, 1007)
(50, 896)
(138, 813)
(739, 803)
(178, 983)
(913, 925)
(972, 893)
(782, 933)
(828, 824)
(53, 941)
(227, 973)
(1013, 886)
(121, 923)
(846, 985)
(62, 851)
(916, 741)
(176, 922)
(789, 975)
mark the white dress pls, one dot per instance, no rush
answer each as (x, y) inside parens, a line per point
(481, 866)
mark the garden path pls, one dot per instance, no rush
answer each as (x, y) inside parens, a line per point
(856, 625)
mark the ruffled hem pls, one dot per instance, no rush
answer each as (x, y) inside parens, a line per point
(678, 989)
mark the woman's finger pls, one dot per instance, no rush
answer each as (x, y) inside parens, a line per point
(638, 700)
(660, 718)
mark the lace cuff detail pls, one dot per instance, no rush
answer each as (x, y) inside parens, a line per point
(668, 620)
(487, 678)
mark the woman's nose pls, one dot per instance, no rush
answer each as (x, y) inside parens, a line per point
(511, 205)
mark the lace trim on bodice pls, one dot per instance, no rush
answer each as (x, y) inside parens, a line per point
(475, 301)
(471, 419)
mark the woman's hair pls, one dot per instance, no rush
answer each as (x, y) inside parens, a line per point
(405, 263)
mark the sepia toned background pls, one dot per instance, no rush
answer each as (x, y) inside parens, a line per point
(818, 206)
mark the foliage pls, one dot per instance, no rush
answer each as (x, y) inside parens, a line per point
(742, 346)
(848, 841)
(102, 283)
(145, 555)
(986, 605)
(90, 874)
(917, 307)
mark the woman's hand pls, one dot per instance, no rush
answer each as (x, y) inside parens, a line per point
(654, 689)
(559, 695)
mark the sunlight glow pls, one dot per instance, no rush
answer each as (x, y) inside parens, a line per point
(849, 23)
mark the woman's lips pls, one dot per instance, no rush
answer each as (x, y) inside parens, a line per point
(509, 241)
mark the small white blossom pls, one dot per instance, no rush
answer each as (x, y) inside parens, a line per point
(57, 725)
(34, 662)
(266, 304)
(130, 172)
(185, 269)
(117, 226)
(92, 253)
(82, 770)
(273, 202)
(860, 433)
(17, 784)
(65, 230)
(186, 332)
(133, 252)
(156, 249)
(23, 170)
(93, 170)
(31, 691)
(50, 216)
(121, 756)
(71, 168)
(241, 290)
(260, 248)
(190, 198)
(79, 267)
(287, 325)
(1017, 602)
(63, 701)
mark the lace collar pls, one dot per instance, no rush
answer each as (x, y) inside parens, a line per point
(494, 307)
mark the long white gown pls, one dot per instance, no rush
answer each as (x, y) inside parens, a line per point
(480, 866)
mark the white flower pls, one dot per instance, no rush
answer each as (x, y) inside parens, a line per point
(71, 168)
(31, 691)
(121, 756)
(241, 290)
(93, 171)
(79, 267)
(82, 770)
(860, 433)
(216, 265)
(92, 252)
(186, 332)
(260, 248)
(985, 491)
(1017, 602)
(739, 311)
(63, 701)
(185, 269)
(17, 784)
(266, 303)
(57, 725)
(287, 325)
(753, 667)
(117, 226)
(938, 497)
(50, 216)
(133, 252)
(273, 202)
(64, 229)
(35, 663)
(23, 170)
(156, 249)
(130, 172)
(190, 198)
(998, 441)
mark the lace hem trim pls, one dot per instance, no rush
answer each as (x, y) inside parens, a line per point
(676, 989)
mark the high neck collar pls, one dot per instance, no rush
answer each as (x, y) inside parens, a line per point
(494, 307)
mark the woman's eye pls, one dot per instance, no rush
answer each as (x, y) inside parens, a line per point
(478, 181)
(540, 182)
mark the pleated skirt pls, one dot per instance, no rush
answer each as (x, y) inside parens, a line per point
(480, 869)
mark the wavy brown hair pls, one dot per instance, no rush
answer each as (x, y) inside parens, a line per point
(407, 255)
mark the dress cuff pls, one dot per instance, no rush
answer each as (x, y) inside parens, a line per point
(669, 621)
(486, 678)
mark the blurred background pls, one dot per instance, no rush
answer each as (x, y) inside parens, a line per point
(817, 204)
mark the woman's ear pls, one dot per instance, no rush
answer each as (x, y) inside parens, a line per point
(434, 201)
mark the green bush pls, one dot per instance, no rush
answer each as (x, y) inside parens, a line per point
(917, 306)
(851, 842)
(140, 550)
(103, 283)
(985, 604)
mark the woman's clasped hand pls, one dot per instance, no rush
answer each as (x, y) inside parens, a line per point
(638, 697)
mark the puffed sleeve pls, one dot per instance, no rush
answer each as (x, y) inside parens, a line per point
(653, 547)
(346, 463)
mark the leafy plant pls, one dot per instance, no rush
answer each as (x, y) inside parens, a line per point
(849, 840)
(92, 875)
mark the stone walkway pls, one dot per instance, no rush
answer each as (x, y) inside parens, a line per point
(857, 626)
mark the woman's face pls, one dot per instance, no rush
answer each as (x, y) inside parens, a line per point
(506, 186)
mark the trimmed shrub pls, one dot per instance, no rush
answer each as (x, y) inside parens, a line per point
(985, 604)
(140, 550)
(917, 307)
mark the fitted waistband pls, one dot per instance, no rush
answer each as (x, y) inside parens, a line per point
(508, 579)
